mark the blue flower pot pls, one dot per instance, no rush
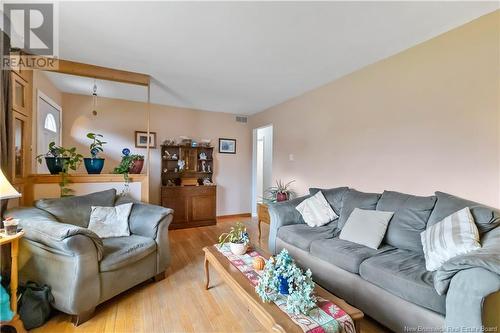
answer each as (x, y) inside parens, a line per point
(283, 285)
(55, 164)
(93, 165)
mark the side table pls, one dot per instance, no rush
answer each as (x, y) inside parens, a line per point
(262, 215)
(14, 252)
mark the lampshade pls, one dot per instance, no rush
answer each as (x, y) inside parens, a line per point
(7, 191)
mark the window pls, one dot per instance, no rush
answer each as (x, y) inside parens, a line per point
(50, 123)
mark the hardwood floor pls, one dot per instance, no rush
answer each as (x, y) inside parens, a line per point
(180, 303)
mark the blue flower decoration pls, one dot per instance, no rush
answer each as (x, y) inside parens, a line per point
(126, 151)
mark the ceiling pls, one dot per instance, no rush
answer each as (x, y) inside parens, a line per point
(243, 57)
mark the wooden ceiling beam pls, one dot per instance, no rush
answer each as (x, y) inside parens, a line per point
(98, 72)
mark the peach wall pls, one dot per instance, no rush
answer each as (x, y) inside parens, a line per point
(423, 120)
(118, 119)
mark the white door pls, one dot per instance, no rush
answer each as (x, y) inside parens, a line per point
(48, 127)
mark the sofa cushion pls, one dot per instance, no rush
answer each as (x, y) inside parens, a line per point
(76, 210)
(402, 273)
(411, 214)
(123, 251)
(355, 199)
(316, 211)
(332, 195)
(486, 218)
(302, 235)
(344, 254)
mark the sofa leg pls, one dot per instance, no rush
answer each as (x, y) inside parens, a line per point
(159, 276)
(82, 317)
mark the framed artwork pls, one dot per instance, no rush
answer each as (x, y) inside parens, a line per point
(141, 139)
(227, 146)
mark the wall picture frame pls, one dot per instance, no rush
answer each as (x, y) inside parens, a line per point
(141, 139)
(227, 146)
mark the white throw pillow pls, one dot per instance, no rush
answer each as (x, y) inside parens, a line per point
(316, 211)
(455, 235)
(109, 222)
(366, 227)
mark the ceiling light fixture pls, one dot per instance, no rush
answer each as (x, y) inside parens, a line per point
(94, 99)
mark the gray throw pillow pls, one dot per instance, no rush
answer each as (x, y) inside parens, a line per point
(355, 199)
(334, 196)
(108, 222)
(411, 214)
(486, 218)
(366, 227)
(76, 210)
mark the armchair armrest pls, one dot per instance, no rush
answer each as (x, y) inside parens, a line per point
(152, 221)
(63, 256)
(281, 214)
(465, 301)
(42, 227)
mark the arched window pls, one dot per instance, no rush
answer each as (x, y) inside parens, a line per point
(50, 123)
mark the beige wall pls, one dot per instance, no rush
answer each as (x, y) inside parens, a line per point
(41, 83)
(118, 119)
(423, 120)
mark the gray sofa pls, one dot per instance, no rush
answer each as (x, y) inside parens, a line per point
(391, 283)
(82, 269)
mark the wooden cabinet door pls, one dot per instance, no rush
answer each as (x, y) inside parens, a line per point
(20, 95)
(203, 207)
(173, 198)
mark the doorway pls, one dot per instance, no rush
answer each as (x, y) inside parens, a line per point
(48, 128)
(262, 163)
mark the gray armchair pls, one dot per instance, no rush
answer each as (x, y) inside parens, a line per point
(82, 269)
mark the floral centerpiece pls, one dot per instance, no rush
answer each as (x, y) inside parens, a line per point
(282, 277)
(237, 238)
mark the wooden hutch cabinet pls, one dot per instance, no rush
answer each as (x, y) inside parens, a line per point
(183, 172)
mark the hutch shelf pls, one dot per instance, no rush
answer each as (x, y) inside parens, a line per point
(184, 170)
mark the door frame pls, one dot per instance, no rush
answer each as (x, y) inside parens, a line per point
(41, 95)
(254, 164)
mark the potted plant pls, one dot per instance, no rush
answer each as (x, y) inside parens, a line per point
(280, 192)
(94, 164)
(237, 237)
(130, 164)
(60, 160)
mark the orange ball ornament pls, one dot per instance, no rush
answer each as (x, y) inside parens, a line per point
(259, 263)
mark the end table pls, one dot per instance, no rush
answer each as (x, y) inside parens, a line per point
(14, 252)
(262, 215)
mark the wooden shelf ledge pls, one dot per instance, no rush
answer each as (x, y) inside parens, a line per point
(85, 178)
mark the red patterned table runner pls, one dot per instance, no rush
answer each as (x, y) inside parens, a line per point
(325, 318)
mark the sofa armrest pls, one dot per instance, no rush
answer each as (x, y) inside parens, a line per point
(466, 297)
(42, 227)
(281, 214)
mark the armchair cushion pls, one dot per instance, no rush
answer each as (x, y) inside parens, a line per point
(123, 251)
(76, 210)
(42, 227)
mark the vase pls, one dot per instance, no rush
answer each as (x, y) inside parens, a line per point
(136, 168)
(283, 289)
(56, 164)
(93, 165)
(281, 197)
(238, 249)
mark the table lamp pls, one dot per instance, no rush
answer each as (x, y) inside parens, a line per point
(7, 191)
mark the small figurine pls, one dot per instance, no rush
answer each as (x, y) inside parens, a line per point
(181, 164)
(203, 156)
(204, 166)
(176, 170)
(170, 182)
(174, 156)
(165, 170)
(209, 168)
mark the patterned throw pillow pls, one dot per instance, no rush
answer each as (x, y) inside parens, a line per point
(109, 222)
(455, 235)
(316, 211)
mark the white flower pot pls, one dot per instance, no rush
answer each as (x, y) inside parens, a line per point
(238, 249)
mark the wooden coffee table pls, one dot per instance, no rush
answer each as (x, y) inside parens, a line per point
(268, 314)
